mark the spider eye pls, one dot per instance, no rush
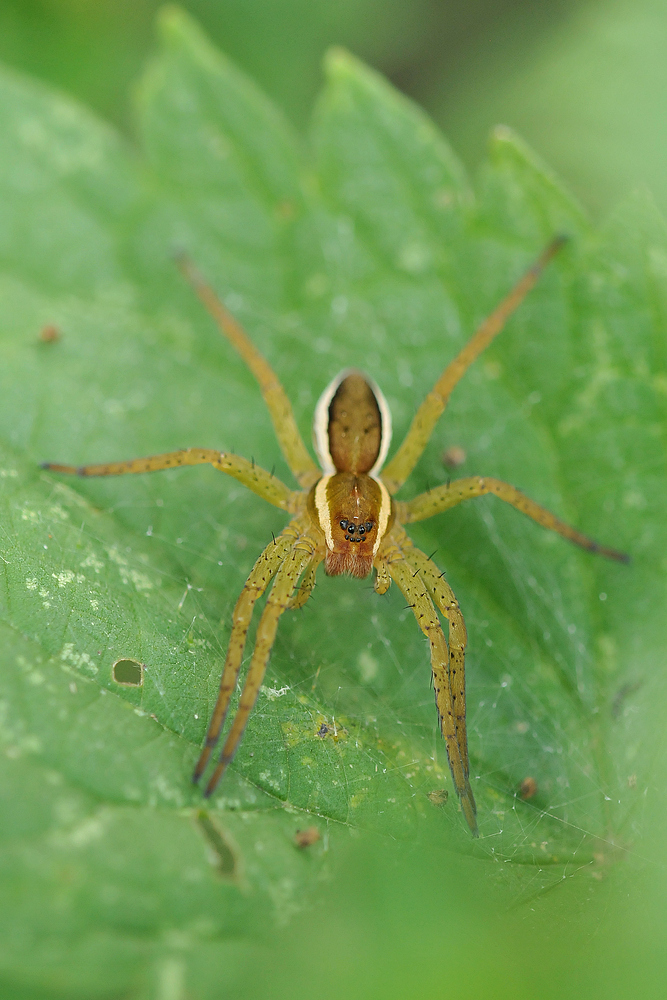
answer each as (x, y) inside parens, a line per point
(343, 525)
(362, 530)
(351, 528)
(369, 525)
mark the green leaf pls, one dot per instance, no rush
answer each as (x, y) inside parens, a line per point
(584, 84)
(373, 251)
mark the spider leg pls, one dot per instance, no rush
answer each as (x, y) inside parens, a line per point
(251, 475)
(443, 497)
(275, 397)
(399, 468)
(415, 592)
(307, 583)
(382, 577)
(261, 575)
(447, 604)
(278, 601)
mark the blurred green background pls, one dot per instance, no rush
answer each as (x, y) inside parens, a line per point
(583, 81)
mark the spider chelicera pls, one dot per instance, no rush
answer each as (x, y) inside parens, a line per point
(344, 515)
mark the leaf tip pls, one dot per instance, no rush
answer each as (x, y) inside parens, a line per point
(502, 133)
(338, 62)
(176, 27)
(341, 66)
(170, 18)
(504, 141)
(509, 153)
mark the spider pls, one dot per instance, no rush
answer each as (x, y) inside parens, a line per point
(344, 515)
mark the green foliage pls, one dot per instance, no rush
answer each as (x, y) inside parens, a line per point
(372, 250)
(585, 85)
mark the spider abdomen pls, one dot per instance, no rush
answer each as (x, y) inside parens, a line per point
(352, 425)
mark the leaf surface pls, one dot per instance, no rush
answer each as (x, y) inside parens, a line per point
(368, 249)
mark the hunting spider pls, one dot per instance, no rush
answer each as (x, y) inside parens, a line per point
(344, 515)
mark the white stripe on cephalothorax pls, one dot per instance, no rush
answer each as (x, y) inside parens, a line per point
(383, 516)
(322, 508)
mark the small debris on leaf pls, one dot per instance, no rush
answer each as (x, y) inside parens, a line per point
(306, 838)
(528, 788)
(453, 456)
(49, 334)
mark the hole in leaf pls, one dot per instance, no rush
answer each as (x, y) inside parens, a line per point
(224, 855)
(128, 672)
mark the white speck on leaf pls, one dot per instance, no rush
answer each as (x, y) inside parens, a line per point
(57, 511)
(81, 660)
(273, 693)
(368, 666)
(93, 562)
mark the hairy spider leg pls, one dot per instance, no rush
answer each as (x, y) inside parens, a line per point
(443, 497)
(415, 592)
(264, 570)
(256, 479)
(280, 409)
(308, 582)
(443, 596)
(286, 579)
(401, 465)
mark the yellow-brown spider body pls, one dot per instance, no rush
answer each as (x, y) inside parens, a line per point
(350, 503)
(344, 515)
(350, 511)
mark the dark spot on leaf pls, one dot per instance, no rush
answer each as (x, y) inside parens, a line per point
(622, 694)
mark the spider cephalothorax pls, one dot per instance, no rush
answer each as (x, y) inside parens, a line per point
(345, 516)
